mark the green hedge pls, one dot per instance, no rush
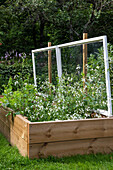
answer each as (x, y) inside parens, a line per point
(7, 71)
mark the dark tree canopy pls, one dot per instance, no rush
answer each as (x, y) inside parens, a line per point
(29, 24)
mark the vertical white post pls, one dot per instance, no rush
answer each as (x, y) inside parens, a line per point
(59, 64)
(108, 88)
(34, 70)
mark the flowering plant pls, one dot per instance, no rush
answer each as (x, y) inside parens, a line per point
(66, 100)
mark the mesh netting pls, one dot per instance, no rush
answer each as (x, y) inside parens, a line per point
(93, 94)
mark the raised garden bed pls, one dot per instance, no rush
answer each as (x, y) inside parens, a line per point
(57, 138)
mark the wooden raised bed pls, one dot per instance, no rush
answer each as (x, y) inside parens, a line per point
(57, 138)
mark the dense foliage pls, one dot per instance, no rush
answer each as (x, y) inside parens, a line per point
(67, 100)
(17, 66)
(29, 24)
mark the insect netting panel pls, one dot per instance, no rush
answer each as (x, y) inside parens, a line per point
(88, 92)
(41, 66)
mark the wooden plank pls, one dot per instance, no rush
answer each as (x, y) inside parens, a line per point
(19, 125)
(19, 134)
(68, 148)
(5, 130)
(19, 142)
(60, 138)
(16, 131)
(3, 117)
(70, 130)
(28, 140)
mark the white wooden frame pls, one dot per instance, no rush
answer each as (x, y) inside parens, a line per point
(80, 42)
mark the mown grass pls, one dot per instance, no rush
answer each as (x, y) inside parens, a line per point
(11, 159)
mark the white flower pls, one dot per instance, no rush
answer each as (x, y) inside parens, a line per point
(36, 97)
(26, 109)
(83, 80)
(16, 82)
(97, 67)
(41, 107)
(16, 76)
(78, 67)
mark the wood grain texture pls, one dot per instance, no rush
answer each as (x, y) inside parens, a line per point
(58, 138)
(20, 127)
(5, 130)
(28, 140)
(15, 130)
(70, 130)
(85, 36)
(69, 148)
(19, 124)
(3, 117)
(19, 142)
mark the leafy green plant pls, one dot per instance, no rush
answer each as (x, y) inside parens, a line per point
(66, 100)
(18, 70)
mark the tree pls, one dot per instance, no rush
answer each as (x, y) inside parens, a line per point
(29, 24)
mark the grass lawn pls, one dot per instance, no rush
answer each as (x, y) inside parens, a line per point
(11, 159)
